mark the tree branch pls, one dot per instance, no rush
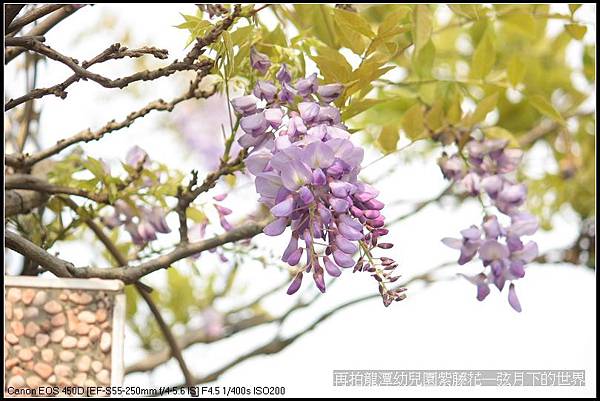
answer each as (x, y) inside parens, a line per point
(130, 274)
(22, 202)
(23, 161)
(10, 13)
(30, 182)
(122, 260)
(81, 72)
(59, 267)
(42, 28)
(31, 16)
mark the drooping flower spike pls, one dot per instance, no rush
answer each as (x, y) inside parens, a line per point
(142, 223)
(486, 172)
(306, 172)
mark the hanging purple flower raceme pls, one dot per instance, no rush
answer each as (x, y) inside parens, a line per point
(486, 171)
(306, 172)
(141, 222)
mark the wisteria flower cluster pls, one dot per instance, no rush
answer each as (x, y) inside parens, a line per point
(306, 172)
(141, 222)
(487, 170)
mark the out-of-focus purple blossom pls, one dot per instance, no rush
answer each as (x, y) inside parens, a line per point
(213, 323)
(156, 218)
(265, 90)
(137, 155)
(307, 86)
(306, 172)
(259, 61)
(502, 251)
(283, 75)
(197, 121)
(245, 105)
(287, 93)
(328, 93)
(452, 167)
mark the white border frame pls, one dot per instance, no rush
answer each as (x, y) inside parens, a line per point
(118, 313)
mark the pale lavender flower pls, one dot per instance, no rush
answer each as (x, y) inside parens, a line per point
(259, 61)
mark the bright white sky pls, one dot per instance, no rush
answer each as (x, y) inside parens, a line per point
(440, 327)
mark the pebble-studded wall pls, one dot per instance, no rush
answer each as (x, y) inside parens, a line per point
(57, 334)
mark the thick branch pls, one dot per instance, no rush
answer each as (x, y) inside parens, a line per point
(42, 28)
(132, 273)
(10, 12)
(22, 202)
(30, 182)
(31, 16)
(81, 72)
(122, 260)
(59, 267)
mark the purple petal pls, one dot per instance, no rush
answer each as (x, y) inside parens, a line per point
(343, 259)
(493, 250)
(339, 205)
(295, 257)
(453, 242)
(328, 93)
(276, 227)
(346, 246)
(331, 267)
(295, 285)
(483, 291)
(513, 300)
(284, 208)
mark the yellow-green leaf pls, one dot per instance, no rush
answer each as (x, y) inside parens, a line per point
(576, 31)
(515, 70)
(423, 60)
(574, 7)
(412, 122)
(546, 108)
(422, 26)
(522, 23)
(196, 215)
(388, 138)
(501, 133)
(483, 108)
(354, 21)
(484, 57)
(435, 116)
(358, 107)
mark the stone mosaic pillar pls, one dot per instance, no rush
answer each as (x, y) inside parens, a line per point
(63, 332)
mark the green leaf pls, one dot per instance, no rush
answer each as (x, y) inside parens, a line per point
(95, 167)
(435, 116)
(413, 122)
(574, 7)
(546, 108)
(423, 61)
(357, 107)
(391, 25)
(353, 21)
(196, 215)
(388, 138)
(483, 108)
(522, 23)
(576, 31)
(515, 70)
(471, 11)
(501, 133)
(484, 57)
(422, 26)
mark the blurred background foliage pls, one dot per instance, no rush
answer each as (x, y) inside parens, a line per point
(422, 72)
